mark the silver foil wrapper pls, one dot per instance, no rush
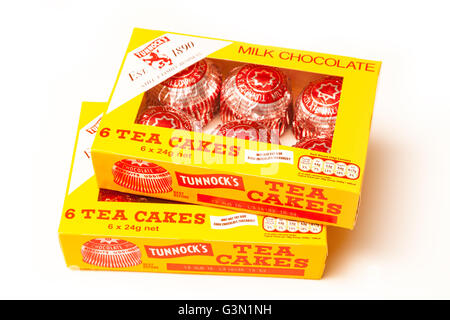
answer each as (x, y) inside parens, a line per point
(316, 108)
(257, 93)
(195, 91)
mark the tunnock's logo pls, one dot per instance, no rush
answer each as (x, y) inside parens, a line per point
(179, 250)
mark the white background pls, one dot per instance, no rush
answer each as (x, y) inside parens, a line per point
(55, 54)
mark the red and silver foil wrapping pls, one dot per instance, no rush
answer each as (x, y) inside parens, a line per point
(142, 176)
(195, 91)
(249, 130)
(316, 108)
(301, 134)
(257, 93)
(315, 144)
(166, 116)
(117, 196)
(111, 253)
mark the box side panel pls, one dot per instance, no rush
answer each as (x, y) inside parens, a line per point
(192, 256)
(84, 214)
(272, 197)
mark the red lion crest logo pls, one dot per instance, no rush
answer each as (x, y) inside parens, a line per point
(160, 61)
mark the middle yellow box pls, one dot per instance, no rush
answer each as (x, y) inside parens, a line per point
(113, 231)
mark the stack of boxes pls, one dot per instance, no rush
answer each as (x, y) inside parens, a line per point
(218, 157)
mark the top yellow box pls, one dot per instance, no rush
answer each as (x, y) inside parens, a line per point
(275, 131)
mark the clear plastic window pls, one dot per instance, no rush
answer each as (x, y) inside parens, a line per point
(254, 102)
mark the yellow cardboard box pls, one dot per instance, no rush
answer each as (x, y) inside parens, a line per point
(151, 235)
(277, 180)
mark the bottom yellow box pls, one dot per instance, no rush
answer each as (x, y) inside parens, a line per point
(109, 230)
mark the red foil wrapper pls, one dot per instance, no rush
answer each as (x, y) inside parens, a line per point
(316, 108)
(111, 253)
(166, 116)
(302, 134)
(117, 196)
(316, 144)
(249, 130)
(195, 91)
(142, 176)
(257, 93)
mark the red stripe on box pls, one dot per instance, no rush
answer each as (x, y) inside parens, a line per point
(246, 205)
(233, 269)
